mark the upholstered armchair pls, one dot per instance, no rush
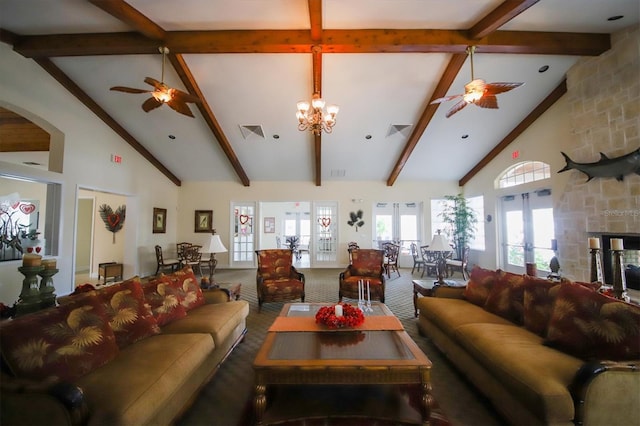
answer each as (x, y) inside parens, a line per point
(277, 279)
(367, 265)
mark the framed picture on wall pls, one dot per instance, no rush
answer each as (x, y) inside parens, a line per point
(269, 225)
(203, 221)
(159, 220)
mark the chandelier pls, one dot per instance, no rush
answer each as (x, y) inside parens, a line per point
(313, 118)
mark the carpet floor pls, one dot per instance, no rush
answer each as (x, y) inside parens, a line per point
(223, 401)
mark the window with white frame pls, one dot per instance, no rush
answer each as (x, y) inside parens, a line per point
(476, 203)
(524, 172)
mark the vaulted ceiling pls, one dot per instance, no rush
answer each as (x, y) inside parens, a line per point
(250, 61)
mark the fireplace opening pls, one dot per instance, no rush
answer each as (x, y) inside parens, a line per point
(631, 256)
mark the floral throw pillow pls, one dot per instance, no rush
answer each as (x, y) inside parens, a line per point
(186, 284)
(506, 298)
(590, 325)
(66, 342)
(164, 300)
(479, 286)
(539, 296)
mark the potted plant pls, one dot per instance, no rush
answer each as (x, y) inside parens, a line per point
(462, 220)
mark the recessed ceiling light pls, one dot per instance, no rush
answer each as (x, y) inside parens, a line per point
(615, 18)
(172, 137)
(276, 136)
(543, 68)
(465, 136)
(367, 137)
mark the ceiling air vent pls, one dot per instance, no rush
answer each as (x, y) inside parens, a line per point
(403, 129)
(251, 131)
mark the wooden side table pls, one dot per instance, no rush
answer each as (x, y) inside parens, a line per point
(110, 270)
(232, 290)
(427, 287)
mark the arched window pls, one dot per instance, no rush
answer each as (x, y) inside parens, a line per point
(527, 171)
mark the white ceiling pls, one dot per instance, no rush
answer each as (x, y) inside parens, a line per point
(374, 90)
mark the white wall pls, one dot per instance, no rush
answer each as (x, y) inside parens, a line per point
(88, 145)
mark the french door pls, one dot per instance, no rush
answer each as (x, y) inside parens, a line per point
(399, 222)
(324, 251)
(243, 247)
(527, 231)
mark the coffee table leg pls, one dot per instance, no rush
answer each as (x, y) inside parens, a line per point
(427, 398)
(260, 402)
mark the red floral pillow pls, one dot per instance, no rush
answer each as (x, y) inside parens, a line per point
(186, 284)
(164, 300)
(67, 341)
(479, 286)
(539, 296)
(590, 325)
(367, 262)
(506, 298)
(275, 263)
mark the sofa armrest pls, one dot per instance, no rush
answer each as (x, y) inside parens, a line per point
(28, 402)
(606, 392)
(448, 292)
(215, 295)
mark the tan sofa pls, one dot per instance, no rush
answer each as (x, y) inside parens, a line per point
(522, 370)
(148, 382)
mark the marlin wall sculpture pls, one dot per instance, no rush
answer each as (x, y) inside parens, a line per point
(607, 167)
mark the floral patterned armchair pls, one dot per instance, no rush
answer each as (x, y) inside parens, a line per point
(277, 279)
(367, 265)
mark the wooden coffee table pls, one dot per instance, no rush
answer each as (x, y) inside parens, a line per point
(312, 360)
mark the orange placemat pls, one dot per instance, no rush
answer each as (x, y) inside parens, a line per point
(378, 322)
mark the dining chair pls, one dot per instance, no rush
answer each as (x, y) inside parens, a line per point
(163, 263)
(391, 253)
(459, 264)
(418, 261)
(429, 257)
(192, 256)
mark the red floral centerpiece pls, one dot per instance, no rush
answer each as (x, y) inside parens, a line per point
(351, 316)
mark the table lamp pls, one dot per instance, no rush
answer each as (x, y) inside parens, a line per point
(440, 245)
(215, 246)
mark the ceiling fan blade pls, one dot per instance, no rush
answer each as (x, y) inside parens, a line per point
(487, 101)
(184, 97)
(128, 89)
(151, 103)
(457, 107)
(153, 82)
(445, 99)
(180, 107)
(495, 88)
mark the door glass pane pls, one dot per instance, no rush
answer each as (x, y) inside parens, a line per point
(384, 227)
(514, 237)
(325, 249)
(243, 238)
(543, 233)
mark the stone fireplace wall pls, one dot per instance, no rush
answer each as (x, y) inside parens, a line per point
(604, 99)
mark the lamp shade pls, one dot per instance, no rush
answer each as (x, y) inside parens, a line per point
(215, 245)
(439, 243)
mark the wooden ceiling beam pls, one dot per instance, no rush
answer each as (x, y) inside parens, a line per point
(450, 73)
(131, 16)
(551, 99)
(192, 86)
(300, 41)
(315, 19)
(76, 91)
(502, 14)
(317, 88)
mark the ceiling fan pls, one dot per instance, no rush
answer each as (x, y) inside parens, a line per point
(162, 94)
(477, 92)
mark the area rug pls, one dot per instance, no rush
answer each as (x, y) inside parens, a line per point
(344, 406)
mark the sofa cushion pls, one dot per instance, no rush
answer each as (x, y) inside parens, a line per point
(164, 300)
(591, 325)
(67, 341)
(537, 375)
(186, 284)
(479, 286)
(449, 314)
(219, 320)
(506, 297)
(275, 264)
(127, 312)
(143, 377)
(539, 296)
